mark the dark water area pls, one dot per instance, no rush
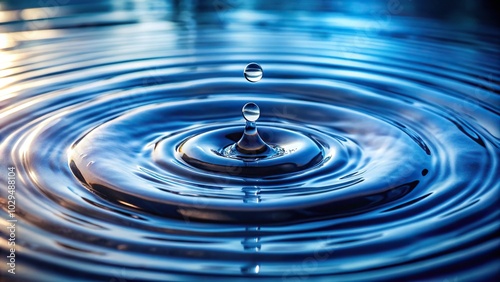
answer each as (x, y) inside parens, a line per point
(120, 123)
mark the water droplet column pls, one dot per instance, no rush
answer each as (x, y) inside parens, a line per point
(251, 143)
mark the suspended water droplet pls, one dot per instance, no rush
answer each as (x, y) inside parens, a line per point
(251, 112)
(253, 72)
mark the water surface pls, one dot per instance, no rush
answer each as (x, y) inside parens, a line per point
(95, 107)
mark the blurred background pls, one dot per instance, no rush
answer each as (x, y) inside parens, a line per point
(19, 18)
(463, 13)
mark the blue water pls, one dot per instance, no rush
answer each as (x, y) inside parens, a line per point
(117, 130)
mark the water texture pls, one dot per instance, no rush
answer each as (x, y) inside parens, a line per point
(388, 168)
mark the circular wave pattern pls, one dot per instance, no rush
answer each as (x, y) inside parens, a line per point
(398, 178)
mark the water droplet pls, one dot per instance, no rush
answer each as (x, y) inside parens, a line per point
(253, 72)
(251, 112)
(251, 143)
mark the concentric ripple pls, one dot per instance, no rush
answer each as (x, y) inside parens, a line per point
(391, 169)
